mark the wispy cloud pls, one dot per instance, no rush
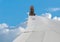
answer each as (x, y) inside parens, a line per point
(53, 9)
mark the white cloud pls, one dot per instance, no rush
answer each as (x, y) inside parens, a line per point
(53, 9)
(56, 18)
(8, 34)
(22, 29)
(3, 25)
(48, 15)
(59, 18)
(6, 30)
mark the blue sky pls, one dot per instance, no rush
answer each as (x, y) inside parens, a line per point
(14, 12)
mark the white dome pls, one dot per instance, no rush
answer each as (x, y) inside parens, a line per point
(40, 29)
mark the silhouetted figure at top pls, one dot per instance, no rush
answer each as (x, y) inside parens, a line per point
(31, 11)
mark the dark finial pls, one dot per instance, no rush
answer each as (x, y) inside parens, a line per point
(32, 11)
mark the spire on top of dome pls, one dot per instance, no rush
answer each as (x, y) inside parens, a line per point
(31, 13)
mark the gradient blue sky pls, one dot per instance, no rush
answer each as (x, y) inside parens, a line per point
(14, 12)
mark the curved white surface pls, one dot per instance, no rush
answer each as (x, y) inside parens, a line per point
(40, 29)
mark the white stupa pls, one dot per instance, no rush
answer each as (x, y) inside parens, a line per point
(40, 29)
